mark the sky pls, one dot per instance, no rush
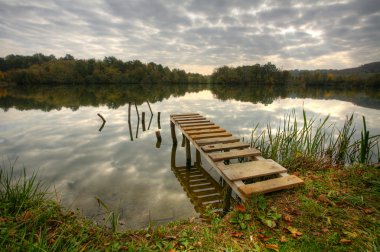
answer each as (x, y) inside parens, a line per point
(197, 35)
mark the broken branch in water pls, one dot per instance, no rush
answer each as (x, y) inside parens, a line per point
(104, 122)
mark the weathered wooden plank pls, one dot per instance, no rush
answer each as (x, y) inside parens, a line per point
(193, 121)
(184, 117)
(189, 128)
(188, 114)
(204, 131)
(234, 154)
(197, 124)
(217, 140)
(251, 169)
(190, 119)
(271, 185)
(224, 146)
(211, 135)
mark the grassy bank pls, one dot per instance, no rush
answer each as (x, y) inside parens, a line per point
(336, 210)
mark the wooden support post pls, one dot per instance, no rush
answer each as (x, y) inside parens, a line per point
(183, 141)
(188, 154)
(130, 130)
(143, 121)
(159, 120)
(227, 198)
(129, 110)
(137, 128)
(172, 159)
(159, 139)
(172, 129)
(198, 157)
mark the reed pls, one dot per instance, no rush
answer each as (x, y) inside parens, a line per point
(315, 140)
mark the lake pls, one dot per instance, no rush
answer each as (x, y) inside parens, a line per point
(56, 132)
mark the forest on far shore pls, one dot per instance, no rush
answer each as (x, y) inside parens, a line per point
(40, 69)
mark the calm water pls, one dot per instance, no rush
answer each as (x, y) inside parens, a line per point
(56, 132)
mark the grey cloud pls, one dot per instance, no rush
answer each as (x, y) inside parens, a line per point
(192, 32)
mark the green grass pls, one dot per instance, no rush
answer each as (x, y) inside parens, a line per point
(345, 218)
(318, 141)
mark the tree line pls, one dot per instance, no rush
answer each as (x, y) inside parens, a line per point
(49, 70)
(41, 69)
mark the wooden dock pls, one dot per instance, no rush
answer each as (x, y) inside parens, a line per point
(225, 153)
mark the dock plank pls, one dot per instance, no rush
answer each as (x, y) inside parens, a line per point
(211, 135)
(204, 131)
(217, 140)
(188, 114)
(224, 146)
(197, 124)
(271, 185)
(251, 169)
(193, 121)
(234, 154)
(189, 128)
(190, 119)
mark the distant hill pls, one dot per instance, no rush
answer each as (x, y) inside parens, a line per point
(373, 67)
(363, 70)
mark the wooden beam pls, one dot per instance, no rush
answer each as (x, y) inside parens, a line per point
(224, 146)
(186, 128)
(251, 169)
(233, 154)
(271, 185)
(197, 124)
(204, 131)
(217, 140)
(211, 135)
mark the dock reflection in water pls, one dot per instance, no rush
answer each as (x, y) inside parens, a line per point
(199, 185)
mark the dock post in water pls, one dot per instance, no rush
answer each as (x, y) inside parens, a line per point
(172, 129)
(143, 120)
(159, 139)
(188, 153)
(159, 120)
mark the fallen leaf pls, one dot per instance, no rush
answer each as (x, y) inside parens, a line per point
(316, 233)
(294, 231)
(263, 237)
(272, 246)
(368, 210)
(2, 219)
(288, 219)
(324, 230)
(345, 241)
(240, 208)
(172, 250)
(323, 198)
(351, 235)
(237, 234)
(283, 239)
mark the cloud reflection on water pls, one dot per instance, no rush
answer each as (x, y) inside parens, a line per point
(69, 152)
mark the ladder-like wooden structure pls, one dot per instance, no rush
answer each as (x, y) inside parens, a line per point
(222, 150)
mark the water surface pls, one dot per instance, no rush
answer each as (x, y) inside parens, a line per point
(56, 132)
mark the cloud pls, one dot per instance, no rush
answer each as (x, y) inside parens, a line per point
(195, 34)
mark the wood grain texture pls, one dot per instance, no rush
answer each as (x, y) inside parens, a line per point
(234, 154)
(211, 135)
(271, 185)
(251, 169)
(217, 140)
(224, 146)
